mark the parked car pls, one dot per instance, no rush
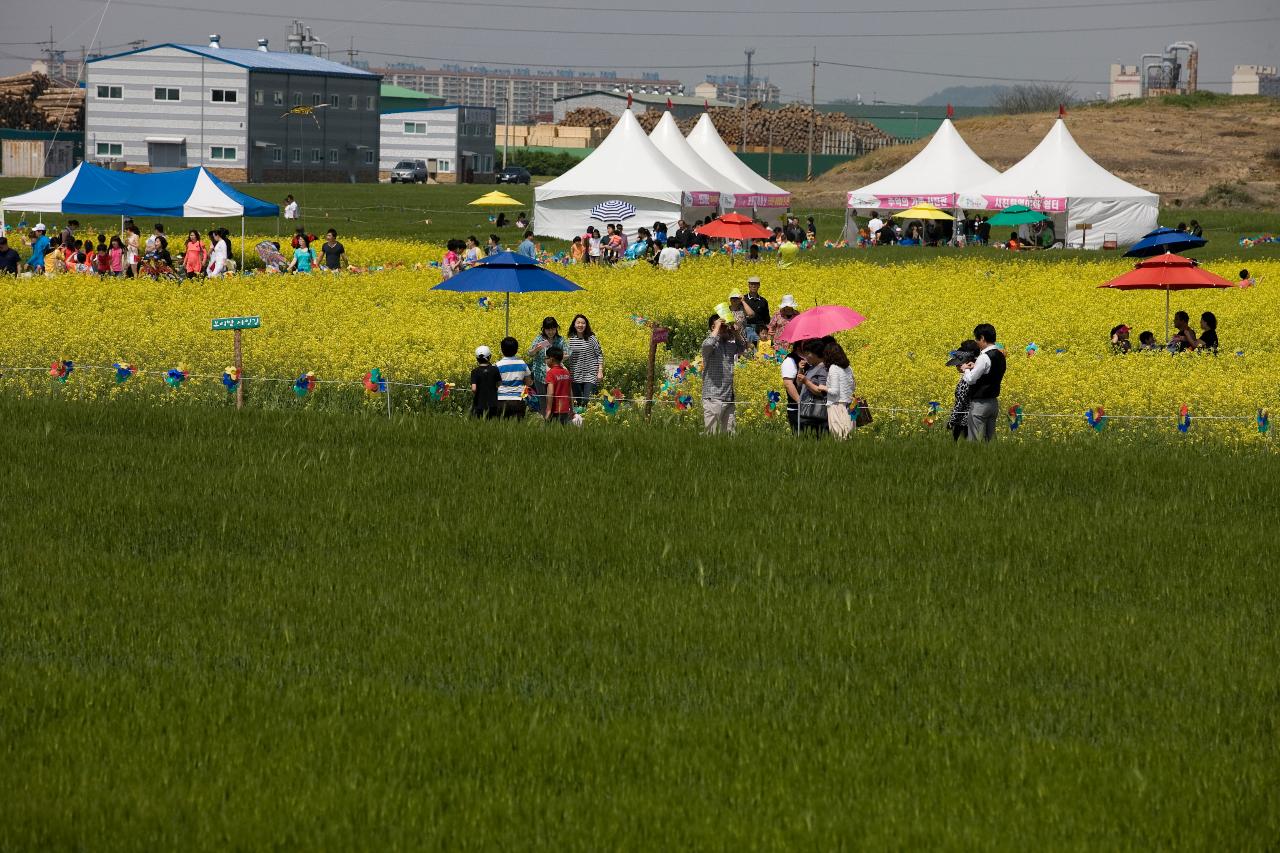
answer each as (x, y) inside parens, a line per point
(410, 172)
(514, 175)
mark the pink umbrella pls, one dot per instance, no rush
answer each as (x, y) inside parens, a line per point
(820, 321)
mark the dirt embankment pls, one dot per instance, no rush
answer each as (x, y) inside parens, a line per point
(1225, 153)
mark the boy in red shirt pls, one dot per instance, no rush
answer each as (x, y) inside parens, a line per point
(559, 403)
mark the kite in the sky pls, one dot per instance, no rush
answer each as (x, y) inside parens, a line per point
(306, 110)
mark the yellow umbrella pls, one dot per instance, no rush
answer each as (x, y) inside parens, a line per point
(924, 210)
(496, 199)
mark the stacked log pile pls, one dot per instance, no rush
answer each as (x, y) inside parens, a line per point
(28, 102)
(790, 125)
(589, 117)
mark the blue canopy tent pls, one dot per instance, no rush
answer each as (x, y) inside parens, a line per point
(93, 190)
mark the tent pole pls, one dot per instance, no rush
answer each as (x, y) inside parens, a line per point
(508, 314)
(242, 244)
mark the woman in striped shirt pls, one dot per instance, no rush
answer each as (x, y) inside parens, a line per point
(584, 360)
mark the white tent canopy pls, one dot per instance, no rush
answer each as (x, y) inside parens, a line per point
(626, 167)
(707, 144)
(676, 148)
(935, 176)
(1057, 177)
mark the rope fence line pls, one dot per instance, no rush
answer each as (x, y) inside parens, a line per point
(924, 410)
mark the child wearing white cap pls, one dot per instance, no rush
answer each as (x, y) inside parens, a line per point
(484, 384)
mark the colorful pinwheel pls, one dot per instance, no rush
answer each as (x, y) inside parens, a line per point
(931, 418)
(683, 402)
(771, 403)
(60, 370)
(123, 371)
(1015, 417)
(1264, 421)
(612, 401)
(1184, 418)
(374, 383)
(483, 302)
(1096, 418)
(231, 379)
(440, 390)
(1032, 349)
(174, 377)
(530, 397)
(639, 319)
(304, 384)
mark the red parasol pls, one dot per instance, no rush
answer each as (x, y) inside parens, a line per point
(1167, 272)
(734, 226)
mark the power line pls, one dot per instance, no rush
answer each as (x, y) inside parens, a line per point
(1091, 4)
(559, 31)
(988, 77)
(506, 62)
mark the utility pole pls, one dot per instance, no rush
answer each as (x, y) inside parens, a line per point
(352, 53)
(746, 98)
(813, 112)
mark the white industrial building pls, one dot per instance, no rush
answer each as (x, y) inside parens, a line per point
(457, 143)
(1126, 82)
(1255, 80)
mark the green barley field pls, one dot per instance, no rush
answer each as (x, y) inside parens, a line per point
(339, 632)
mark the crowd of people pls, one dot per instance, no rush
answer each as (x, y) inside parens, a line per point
(563, 374)
(972, 229)
(1184, 339)
(127, 254)
(658, 245)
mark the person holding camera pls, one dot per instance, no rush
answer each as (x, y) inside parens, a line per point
(723, 344)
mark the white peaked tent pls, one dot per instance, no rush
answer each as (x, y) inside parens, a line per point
(676, 148)
(626, 167)
(1058, 178)
(705, 141)
(935, 176)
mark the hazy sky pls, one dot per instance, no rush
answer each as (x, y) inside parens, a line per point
(926, 49)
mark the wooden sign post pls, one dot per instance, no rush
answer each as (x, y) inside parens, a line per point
(237, 325)
(1084, 232)
(661, 334)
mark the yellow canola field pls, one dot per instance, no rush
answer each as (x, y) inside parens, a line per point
(340, 326)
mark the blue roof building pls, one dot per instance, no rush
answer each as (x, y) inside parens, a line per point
(245, 114)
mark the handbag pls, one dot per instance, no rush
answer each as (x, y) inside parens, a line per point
(862, 416)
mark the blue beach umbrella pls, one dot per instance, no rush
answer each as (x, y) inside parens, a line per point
(507, 272)
(1163, 240)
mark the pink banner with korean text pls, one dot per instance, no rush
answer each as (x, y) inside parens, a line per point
(757, 200)
(700, 198)
(1045, 204)
(901, 201)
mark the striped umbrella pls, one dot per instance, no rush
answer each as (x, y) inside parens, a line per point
(614, 210)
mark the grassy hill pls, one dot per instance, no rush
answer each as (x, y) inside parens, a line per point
(1205, 150)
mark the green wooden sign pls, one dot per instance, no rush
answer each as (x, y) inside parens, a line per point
(227, 324)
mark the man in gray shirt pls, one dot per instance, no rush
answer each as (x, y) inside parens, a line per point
(723, 344)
